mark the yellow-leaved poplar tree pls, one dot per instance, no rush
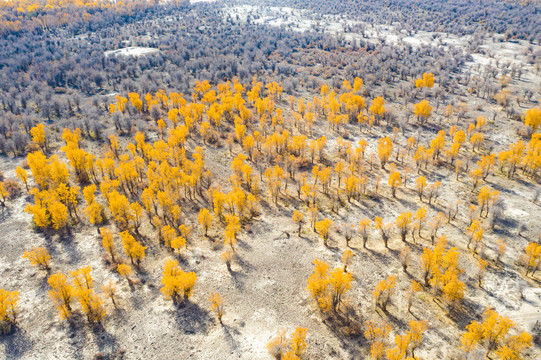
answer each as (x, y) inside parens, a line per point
(177, 284)
(38, 256)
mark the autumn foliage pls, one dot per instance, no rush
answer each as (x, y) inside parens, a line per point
(495, 334)
(329, 289)
(163, 185)
(177, 284)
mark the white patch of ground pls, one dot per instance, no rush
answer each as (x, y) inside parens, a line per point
(302, 20)
(294, 19)
(525, 311)
(132, 51)
(529, 312)
(516, 213)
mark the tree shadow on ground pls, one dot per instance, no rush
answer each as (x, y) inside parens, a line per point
(5, 213)
(387, 315)
(66, 241)
(305, 238)
(105, 341)
(500, 188)
(119, 313)
(137, 302)
(396, 252)
(244, 245)
(74, 331)
(335, 248)
(144, 239)
(503, 226)
(245, 265)
(384, 258)
(406, 203)
(229, 331)
(364, 208)
(463, 313)
(238, 279)
(16, 344)
(190, 318)
(43, 282)
(347, 328)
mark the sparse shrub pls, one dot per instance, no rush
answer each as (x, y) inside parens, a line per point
(13, 188)
(31, 147)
